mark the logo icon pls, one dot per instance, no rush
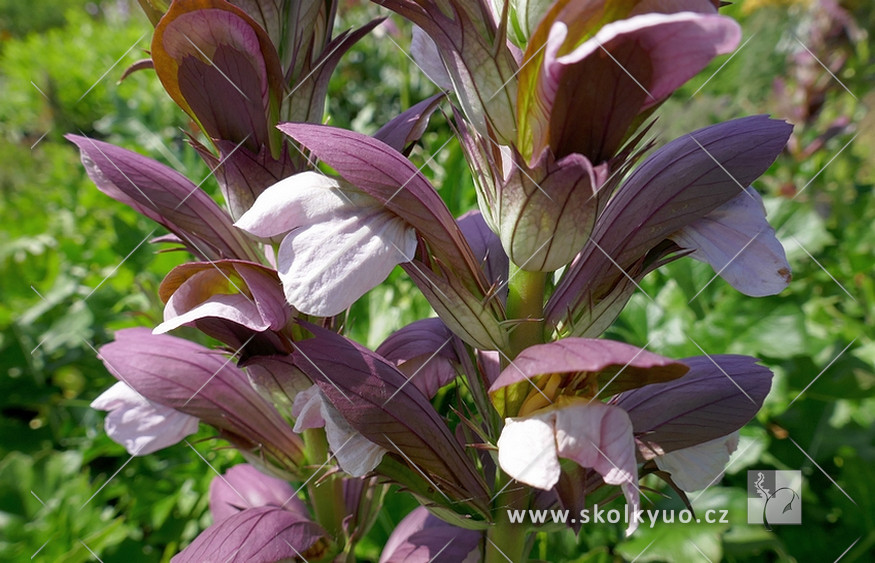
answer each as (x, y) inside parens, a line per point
(774, 497)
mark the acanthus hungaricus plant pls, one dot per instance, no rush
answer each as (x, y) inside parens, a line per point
(552, 105)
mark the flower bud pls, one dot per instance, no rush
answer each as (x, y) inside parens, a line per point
(547, 212)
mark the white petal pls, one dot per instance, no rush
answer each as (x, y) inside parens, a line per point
(307, 410)
(599, 436)
(301, 199)
(527, 451)
(116, 397)
(326, 266)
(593, 435)
(697, 467)
(355, 454)
(341, 242)
(427, 57)
(740, 245)
(140, 425)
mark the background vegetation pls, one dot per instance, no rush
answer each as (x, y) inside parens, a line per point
(74, 268)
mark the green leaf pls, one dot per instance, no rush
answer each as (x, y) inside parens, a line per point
(691, 541)
(778, 332)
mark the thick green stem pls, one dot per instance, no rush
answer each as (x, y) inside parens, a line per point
(326, 494)
(507, 541)
(525, 303)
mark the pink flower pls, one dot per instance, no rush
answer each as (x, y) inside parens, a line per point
(740, 245)
(697, 467)
(592, 434)
(355, 454)
(339, 242)
(553, 391)
(139, 424)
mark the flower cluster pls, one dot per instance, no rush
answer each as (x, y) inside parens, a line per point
(551, 103)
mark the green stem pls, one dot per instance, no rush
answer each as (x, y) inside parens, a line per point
(525, 302)
(326, 494)
(506, 541)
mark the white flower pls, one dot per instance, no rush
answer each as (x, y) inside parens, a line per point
(355, 454)
(340, 243)
(697, 467)
(740, 245)
(593, 435)
(140, 425)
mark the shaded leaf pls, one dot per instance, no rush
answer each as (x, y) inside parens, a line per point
(263, 534)
(424, 351)
(716, 397)
(244, 486)
(422, 537)
(409, 126)
(203, 383)
(587, 366)
(165, 196)
(306, 99)
(677, 185)
(474, 51)
(220, 67)
(376, 400)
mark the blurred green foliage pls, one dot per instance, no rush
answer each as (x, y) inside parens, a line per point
(74, 268)
(20, 18)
